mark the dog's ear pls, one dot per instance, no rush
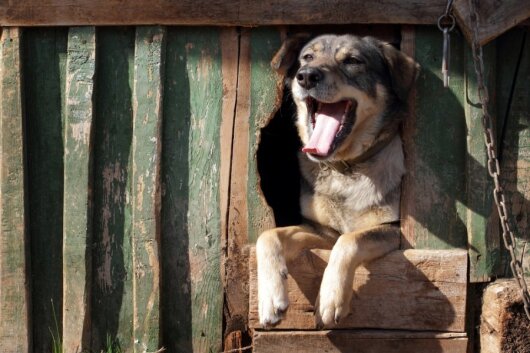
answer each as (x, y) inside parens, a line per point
(286, 58)
(403, 70)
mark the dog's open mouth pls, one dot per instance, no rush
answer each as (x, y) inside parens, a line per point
(331, 124)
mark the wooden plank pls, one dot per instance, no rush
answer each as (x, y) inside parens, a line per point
(266, 91)
(495, 17)
(77, 214)
(406, 290)
(434, 198)
(234, 12)
(112, 299)
(515, 162)
(146, 149)
(233, 190)
(44, 71)
(14, 260)
(482, 228)
(191, 237)
(504, 326)
(341, 341)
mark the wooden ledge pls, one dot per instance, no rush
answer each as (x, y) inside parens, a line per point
(340, 341)
(406, 290)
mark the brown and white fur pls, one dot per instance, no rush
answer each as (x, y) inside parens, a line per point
(352, 210)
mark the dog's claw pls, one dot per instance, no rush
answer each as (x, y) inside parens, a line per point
(284, 273)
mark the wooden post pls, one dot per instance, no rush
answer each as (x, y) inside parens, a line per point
(434, 197)
(44, 67)
(147, 121)
(481, 221)
(14, 277)
(112, 295)
(77, 216)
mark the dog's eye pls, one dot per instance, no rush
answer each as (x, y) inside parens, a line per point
(308, 57)
(352, 60)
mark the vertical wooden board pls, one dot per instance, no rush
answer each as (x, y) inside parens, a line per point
(77, 215)
(43, 54)
(146, 148)
(14, 282)
(266, 89)
(434, 188)
(515, 165)
(482, 229)
(192, 293)
(112, 303)
(236, 81)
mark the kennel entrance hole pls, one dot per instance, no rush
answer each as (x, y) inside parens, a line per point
(278, 164)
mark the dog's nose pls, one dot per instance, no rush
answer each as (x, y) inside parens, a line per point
(308, 77)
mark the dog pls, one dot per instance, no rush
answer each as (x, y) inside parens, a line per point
(351, 96)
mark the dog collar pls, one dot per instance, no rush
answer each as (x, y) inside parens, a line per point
(386, 135)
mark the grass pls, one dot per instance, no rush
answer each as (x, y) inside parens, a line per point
(57, 344)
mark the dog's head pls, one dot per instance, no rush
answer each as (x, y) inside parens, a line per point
(346, 89)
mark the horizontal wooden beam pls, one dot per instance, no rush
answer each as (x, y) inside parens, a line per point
(217, 12)
(364, 341)
(406, 290)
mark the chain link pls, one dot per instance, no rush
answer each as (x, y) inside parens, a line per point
(493, 162)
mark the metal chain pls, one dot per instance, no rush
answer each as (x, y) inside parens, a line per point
(493, 162)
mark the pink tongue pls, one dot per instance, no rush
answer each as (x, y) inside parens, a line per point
(327, 124)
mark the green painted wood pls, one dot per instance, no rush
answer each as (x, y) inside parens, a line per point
(112, 299)
(146, 148)
(14, 305)
(482, 229)
(44, 67)
(191, 236)
(515, 165)
(265, 100)
(436, 198)
(77, 216)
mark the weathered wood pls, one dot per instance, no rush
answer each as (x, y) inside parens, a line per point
(407, 207)
(434, 198)
(409, 290)
(112, 298)
(482, 228)
(234, 12)
(233, 190)
(504, 326)
(266, 90)
(341, 341)
(146, 149)
(515, 143)
(192, 293)
(495, 17)
(77, 214)
(14, 260)
(44, 72)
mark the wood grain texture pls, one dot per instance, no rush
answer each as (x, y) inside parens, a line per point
(434, 197)
(266, 89)
(193, 294)
(233, 12)
(341, 341)
(14, 262)
(44, 73)
(495, 17)
(432, 281)
(482, 226)
(515, 144)
(233, 190)
(146, 149)
(77, 214)
(112, 299)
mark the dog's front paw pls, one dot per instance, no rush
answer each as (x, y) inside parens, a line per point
(272, 295)
(334, 300)
(273, 300)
